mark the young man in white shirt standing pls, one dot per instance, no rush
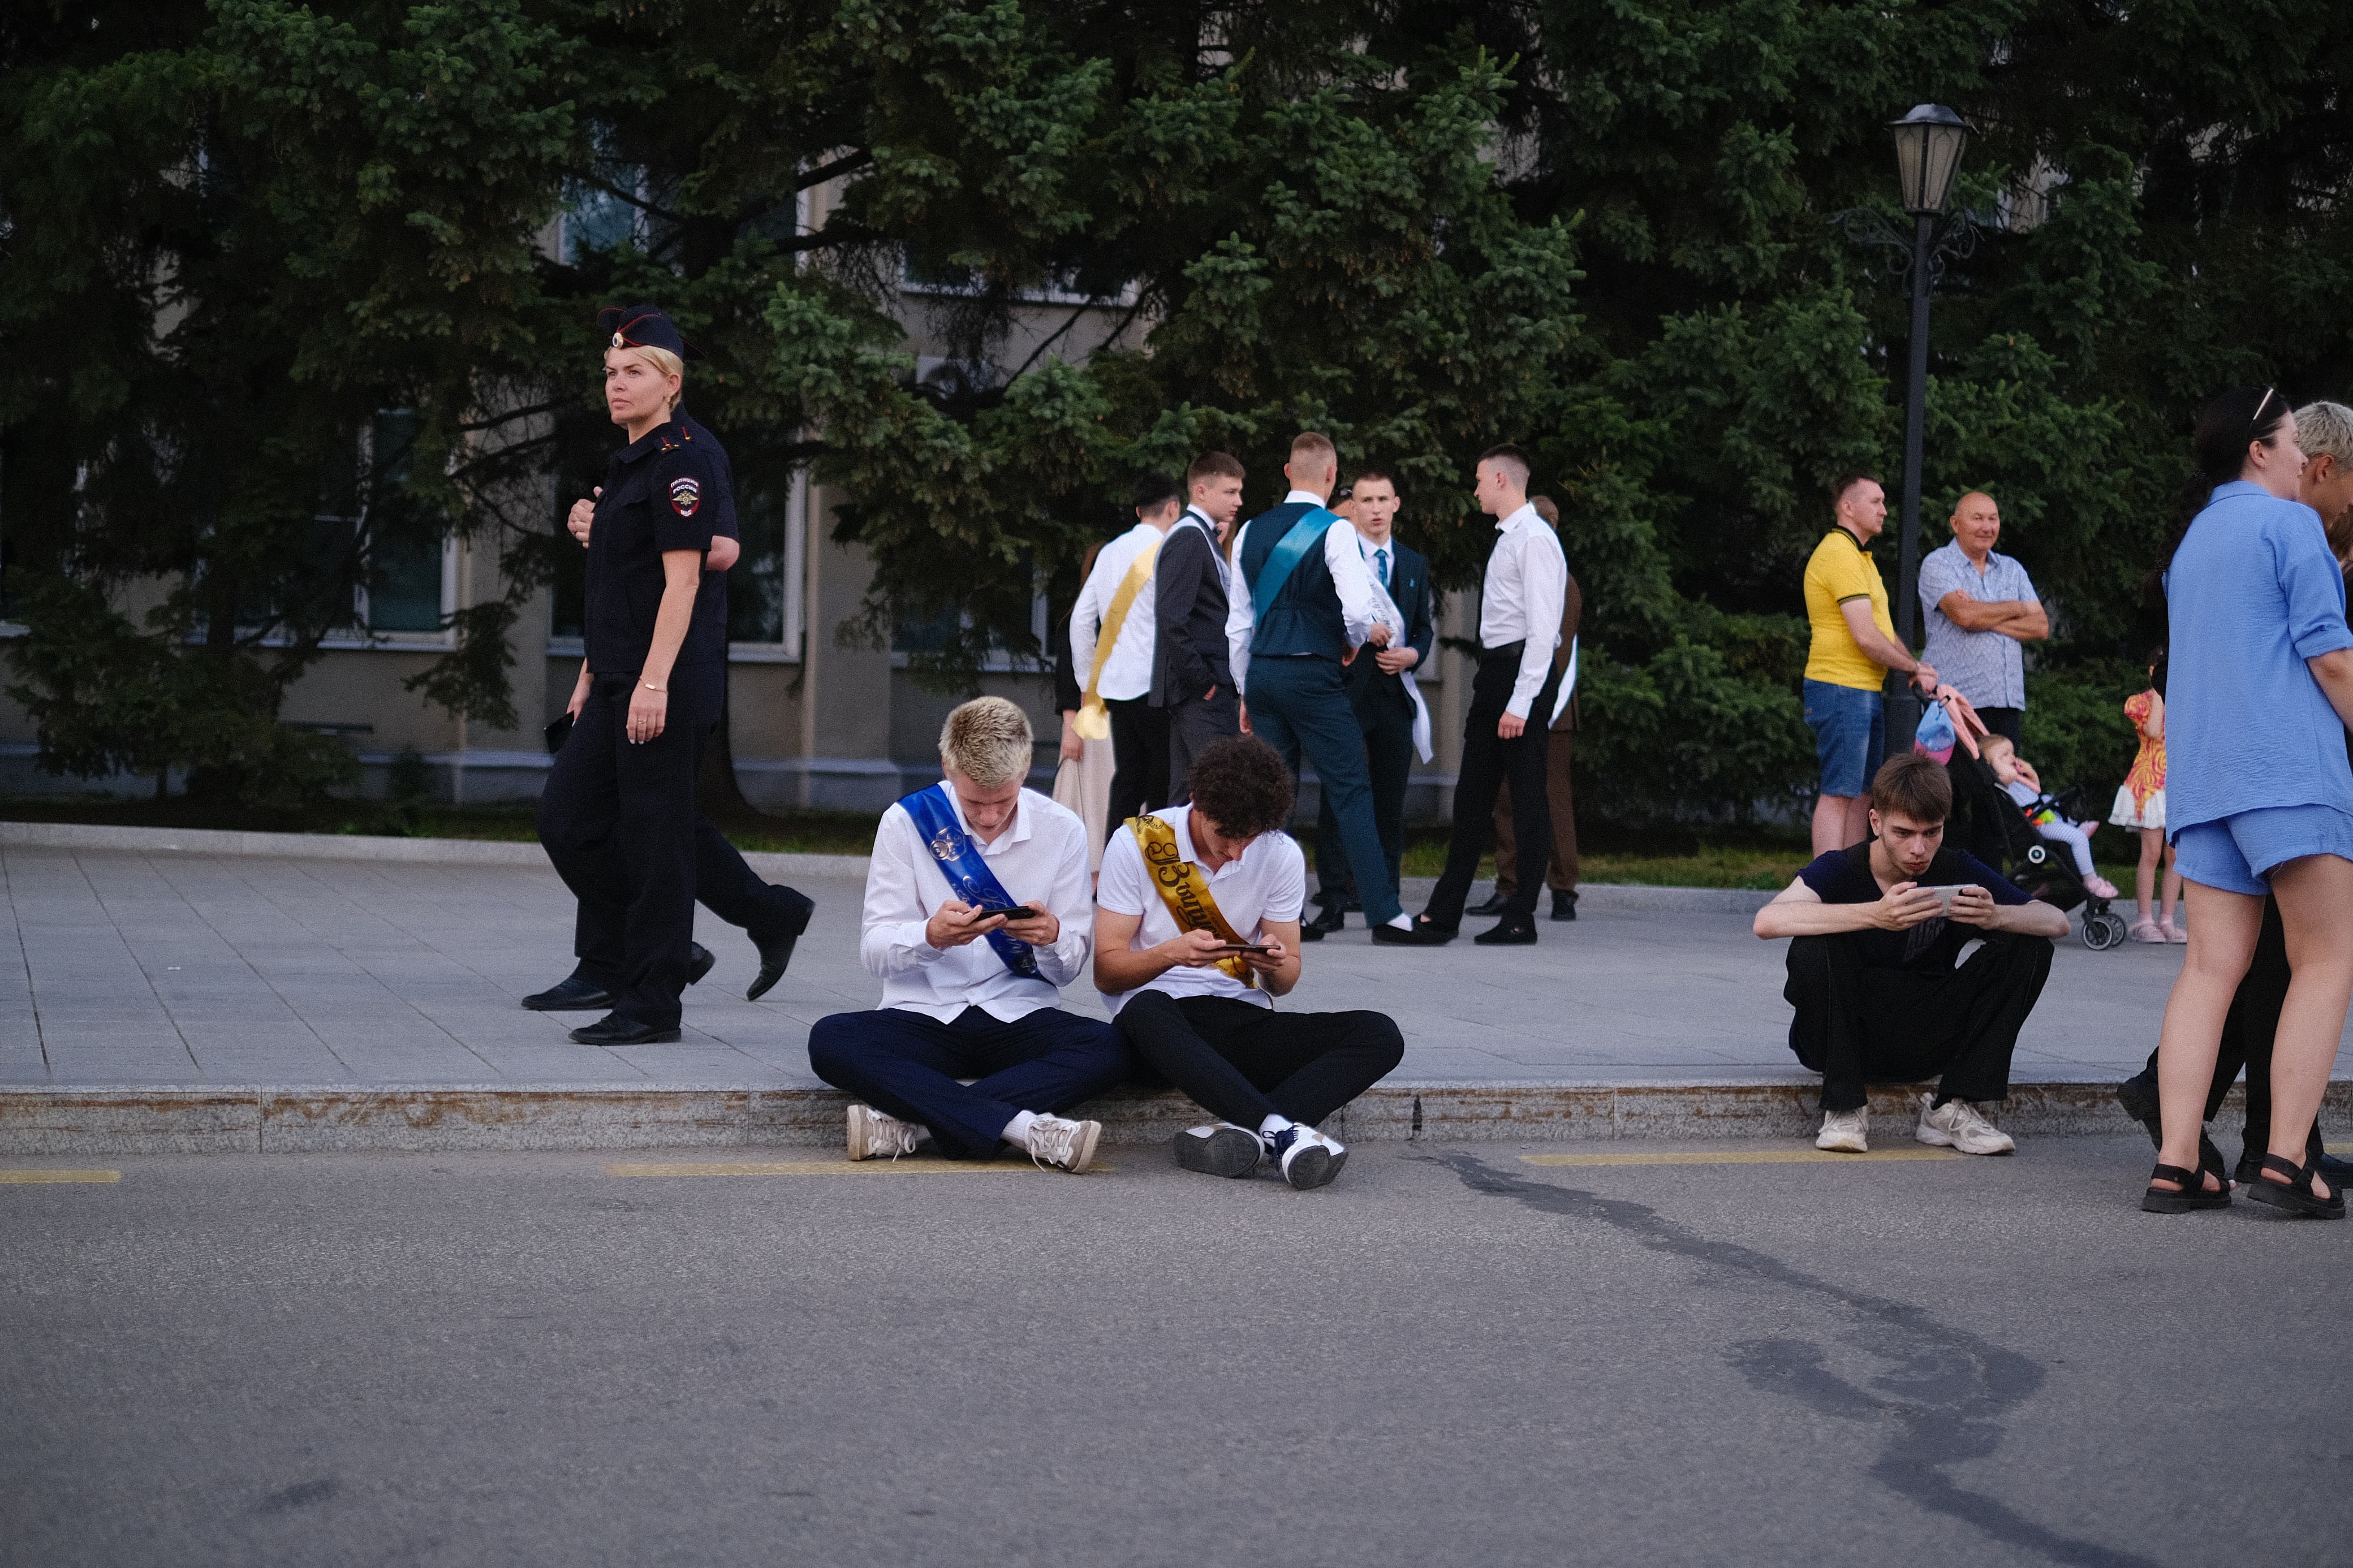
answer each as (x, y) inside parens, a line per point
(1115, 670)
(1506, 735)
(977, 916)
(1197, 930)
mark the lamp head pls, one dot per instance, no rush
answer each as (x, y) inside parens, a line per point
(1928, 144)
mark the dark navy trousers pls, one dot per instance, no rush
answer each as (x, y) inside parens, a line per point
(907, 1065)
(1300, 705)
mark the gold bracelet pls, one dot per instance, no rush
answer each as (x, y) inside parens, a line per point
(650, 686)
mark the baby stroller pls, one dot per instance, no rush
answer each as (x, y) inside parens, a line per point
(2001, 835)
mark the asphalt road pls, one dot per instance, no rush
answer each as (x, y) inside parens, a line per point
(1450, 1356)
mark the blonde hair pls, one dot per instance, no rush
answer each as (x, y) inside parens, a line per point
(664, 363)
(987, 740)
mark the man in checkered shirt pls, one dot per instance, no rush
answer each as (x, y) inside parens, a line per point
(1981, 608)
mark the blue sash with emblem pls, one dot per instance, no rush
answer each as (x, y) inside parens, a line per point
(1289, 551)
(967, 874)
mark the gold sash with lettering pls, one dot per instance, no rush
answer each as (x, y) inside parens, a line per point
(1183, 891)
(1094, 722)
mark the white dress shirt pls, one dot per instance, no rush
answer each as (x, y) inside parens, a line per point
(1525, 589)
(1127, 673)
(1268, 882)
(1041, 860)
(1359, 600)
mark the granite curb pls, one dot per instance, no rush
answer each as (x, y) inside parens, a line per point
(263, 1119)
(1592, 897)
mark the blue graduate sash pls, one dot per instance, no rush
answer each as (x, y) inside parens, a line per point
(967, 874)
(1289, 551)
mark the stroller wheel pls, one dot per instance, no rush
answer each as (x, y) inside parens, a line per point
(2103, 931)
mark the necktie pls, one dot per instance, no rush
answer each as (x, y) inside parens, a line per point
(1381, 564)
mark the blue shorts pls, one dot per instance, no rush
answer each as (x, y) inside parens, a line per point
(2238, 853)
(1849, 735)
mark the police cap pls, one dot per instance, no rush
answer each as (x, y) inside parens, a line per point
(641, 327)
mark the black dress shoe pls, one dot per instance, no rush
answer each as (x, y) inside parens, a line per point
(699, 960)
(1425, 933)
(776, 946)
(620, 1029)
(1563, 905)
(1509, 934)
(1328, 919)
(1497, 902)
(570, 995)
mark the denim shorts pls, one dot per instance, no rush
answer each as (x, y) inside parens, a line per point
(2238, 853)
(1849, 735)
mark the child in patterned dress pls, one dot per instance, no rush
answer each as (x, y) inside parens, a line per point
(2140, 804)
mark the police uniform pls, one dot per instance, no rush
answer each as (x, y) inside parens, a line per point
(619, 819)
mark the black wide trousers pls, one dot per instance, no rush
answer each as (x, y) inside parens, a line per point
(1241, 1062)
(1858, 1026)
(1487, 761)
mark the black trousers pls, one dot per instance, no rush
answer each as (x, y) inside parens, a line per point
(731, 889)
(1139, 750)
(618, 821)
(1194, 724)
(1388, 722)
(1243, 1063)
(1858, 1026)
(1487, 761)
(2007, 722)
(2248, 1031)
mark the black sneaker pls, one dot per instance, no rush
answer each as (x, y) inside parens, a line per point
(1509, 933)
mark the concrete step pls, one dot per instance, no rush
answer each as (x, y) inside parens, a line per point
(104, 1120)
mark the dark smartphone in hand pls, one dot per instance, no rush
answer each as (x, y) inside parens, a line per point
(1244, 947)
(1017, 913)
(558, 733)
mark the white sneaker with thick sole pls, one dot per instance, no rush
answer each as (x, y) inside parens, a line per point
(1845, 1131)
(1309, 1159)
(874, 1136)
(1957, 1124)
(1061, 1144)
(1219, 1149)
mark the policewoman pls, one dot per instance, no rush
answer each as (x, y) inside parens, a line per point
(617, 816)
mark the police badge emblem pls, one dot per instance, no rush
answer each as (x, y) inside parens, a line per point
(685, 495)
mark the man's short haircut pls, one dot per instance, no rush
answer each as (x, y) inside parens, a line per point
(2326, 429)
(987, 740)
(1914, 787)
(1512, 461)
(1241, 784)
(1156, 490)
(1311, 447)
(1367, 476)
(1545, 510)
(1847, 481)
(1214, 466)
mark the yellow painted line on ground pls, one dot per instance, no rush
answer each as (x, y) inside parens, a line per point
(1739, 1157)
(27, 1176)
(909, 1167)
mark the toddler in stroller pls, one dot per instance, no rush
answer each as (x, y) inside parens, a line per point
(2019, 781)
(2044, 868)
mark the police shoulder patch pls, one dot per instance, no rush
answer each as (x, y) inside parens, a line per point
(685, 495)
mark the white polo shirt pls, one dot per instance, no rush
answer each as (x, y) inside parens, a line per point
(1267, 883)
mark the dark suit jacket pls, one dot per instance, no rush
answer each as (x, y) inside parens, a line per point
(1410, 586)
(1188, 618)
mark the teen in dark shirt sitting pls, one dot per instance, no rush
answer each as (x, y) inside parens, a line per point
(1879, 996)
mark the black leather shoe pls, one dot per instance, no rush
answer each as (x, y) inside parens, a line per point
(1563, 905)
(1425, 933)
(620, 1029)
(776, 946)
(1511, 933)
(698, 960)
(1327, 920)
(570, 995)
(1497, 902)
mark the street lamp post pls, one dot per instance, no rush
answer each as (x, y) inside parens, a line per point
(1928, 144)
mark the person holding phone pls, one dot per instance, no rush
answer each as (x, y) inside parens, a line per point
(1197, 932)
(1876, 930)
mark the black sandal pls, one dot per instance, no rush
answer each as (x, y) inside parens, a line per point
(2295, 1194)
(2192, 1195)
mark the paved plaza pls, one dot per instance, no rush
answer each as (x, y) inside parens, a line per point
(150, 969)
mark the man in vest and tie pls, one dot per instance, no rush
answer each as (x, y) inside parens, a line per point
(1304, 606)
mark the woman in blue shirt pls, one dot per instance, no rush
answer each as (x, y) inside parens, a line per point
(2259, 796)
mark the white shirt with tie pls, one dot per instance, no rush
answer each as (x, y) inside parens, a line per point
(1351, 575)
(1127, 672)
(1040, 859)
(1521, 599)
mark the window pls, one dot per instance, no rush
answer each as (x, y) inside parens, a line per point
(407, 584)
(764, 591)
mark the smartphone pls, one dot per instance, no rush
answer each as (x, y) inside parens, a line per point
(1945, 894)
(1017, 913)
(1244, 947)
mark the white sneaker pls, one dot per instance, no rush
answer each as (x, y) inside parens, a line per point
(873, 1136)
(1220, 1149)
(1956, 1124)
(1061, 1144)
(1309, 1158)
(1847, 1131)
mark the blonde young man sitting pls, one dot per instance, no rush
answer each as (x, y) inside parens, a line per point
(977, 916)
(1197, 930)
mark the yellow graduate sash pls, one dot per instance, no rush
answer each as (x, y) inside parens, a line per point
(1094, 722)
(1185, 891)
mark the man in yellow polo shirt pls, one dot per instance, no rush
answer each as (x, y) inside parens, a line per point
(1853, 648)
